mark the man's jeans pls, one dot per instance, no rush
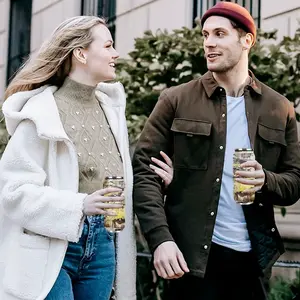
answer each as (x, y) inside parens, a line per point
(88, 269)
(229, 275)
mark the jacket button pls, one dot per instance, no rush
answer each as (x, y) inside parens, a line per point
(218, 179)
(223, 115)
(221, 147)
(205, 247)
(273, 229)
(212, 213)
(260, 204)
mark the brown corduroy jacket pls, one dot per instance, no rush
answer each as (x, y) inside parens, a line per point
(189, 124)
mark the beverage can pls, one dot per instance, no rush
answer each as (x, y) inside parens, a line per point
(242, 155)
(117, 222)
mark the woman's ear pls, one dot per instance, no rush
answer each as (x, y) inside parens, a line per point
(80, 55)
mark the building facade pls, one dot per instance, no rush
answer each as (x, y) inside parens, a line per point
(25, 24)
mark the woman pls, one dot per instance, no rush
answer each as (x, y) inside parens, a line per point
(63, 143)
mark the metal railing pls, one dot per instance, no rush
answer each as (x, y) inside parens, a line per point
(253, 6)
(278, 263)
(287, 264)
(155, 289)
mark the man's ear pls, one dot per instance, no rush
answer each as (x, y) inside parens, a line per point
(80, 55)
(247, 41)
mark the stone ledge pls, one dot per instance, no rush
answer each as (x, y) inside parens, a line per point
(289, 225)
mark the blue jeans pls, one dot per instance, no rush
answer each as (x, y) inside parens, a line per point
(88, 270)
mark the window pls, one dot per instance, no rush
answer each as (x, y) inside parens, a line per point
(107, 9)
(89, 7)
(102, 8)
(253, 6)
(19, 35)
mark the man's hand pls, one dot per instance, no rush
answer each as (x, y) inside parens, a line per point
(169, 262)
(254, 177)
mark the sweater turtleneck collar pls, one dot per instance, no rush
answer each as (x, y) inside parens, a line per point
(77, 91)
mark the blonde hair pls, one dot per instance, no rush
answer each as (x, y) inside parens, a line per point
(54, 59)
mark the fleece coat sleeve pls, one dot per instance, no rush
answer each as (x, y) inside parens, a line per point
(24, 196)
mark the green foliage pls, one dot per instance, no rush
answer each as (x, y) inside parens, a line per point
(163, 59)
(283, 211)
(284, 289)
(278, 65)
(3, 135)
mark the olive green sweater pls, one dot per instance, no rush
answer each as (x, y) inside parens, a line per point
(86, 125)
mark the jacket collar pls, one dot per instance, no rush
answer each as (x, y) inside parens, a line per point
(40, 107)
(210, 84)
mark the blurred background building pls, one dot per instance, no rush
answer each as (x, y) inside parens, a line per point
(25, 24)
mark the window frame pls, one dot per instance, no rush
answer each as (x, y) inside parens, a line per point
(102, 8)
(19, 39)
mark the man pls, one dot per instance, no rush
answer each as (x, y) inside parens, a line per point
(208, 245)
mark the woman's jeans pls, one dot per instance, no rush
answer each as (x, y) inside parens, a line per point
(88, 269)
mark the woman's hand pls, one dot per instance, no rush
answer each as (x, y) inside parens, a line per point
(165, 172)
(98, 204)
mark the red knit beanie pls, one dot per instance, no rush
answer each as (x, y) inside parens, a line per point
(234, 12)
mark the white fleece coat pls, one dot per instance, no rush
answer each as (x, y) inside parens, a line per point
(41, 209)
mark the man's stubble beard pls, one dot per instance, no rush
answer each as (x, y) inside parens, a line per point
(222, 68)
(225, 68)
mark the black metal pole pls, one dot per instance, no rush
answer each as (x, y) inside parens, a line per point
(259, 13)
(82, 7)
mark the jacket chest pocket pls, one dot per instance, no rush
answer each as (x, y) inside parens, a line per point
(192, 139)
(269, 144)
